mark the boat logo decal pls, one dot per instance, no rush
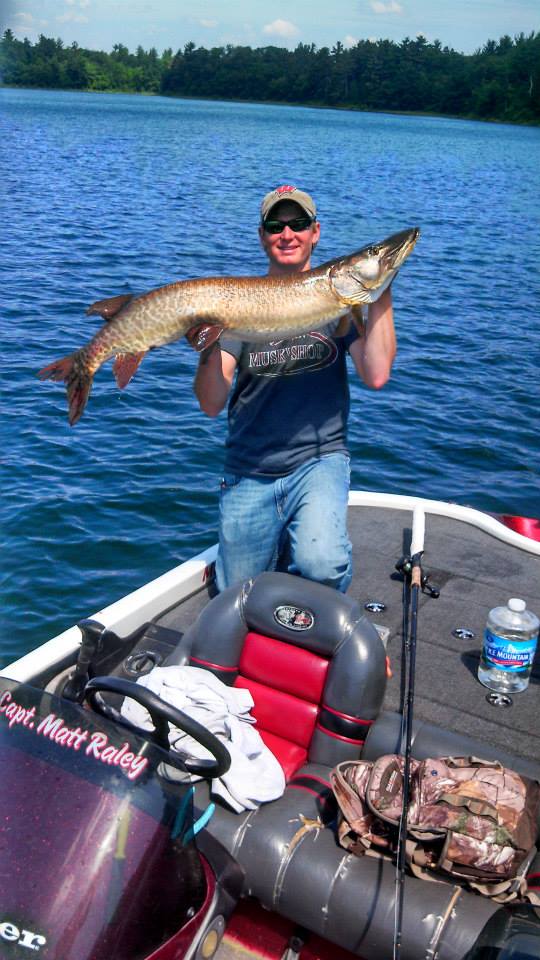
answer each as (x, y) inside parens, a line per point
(24, 938)
(294, 617)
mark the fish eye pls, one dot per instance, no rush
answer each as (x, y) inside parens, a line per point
(374, 251)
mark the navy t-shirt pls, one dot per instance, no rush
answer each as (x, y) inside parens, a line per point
(290, 402)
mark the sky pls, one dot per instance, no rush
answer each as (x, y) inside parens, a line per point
(464, 25)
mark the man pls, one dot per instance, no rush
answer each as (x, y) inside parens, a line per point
(285, 488)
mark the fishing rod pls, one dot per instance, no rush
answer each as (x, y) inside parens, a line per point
(412, 572)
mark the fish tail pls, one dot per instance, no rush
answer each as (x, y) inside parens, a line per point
(77, 376)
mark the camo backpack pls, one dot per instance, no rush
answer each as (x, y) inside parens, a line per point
(469, 819)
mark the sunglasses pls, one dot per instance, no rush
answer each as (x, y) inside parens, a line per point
(297, 225)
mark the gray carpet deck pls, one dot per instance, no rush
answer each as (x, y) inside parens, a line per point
(474, 572)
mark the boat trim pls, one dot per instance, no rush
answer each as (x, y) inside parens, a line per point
(441, 508)
(123, 616)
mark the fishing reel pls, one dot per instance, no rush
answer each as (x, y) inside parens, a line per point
(405, 565)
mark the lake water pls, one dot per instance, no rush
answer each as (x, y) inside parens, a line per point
(104, 194)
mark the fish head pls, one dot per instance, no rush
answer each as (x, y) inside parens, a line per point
(363, 276)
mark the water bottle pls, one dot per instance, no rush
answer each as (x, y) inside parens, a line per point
(509, 646)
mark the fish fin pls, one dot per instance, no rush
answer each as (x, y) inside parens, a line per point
(343, 327)
(58, 370)
(203, 335)
(125, 366)
(110, 307)
(348, 290)
(77, 378)
(359, 316)
(351, 291)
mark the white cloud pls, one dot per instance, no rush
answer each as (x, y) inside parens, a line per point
(379, 6)
(208, 23)
(281, 28)
(25, 24)
(71, 18)
(349, 42)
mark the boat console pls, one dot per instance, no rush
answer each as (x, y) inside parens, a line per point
(97, 860)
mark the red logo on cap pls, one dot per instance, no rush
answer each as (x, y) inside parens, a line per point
(285, 189)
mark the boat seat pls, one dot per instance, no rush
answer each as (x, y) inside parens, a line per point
(317, 671)
(314, 664)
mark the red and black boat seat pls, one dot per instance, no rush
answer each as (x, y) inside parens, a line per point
(314, 664)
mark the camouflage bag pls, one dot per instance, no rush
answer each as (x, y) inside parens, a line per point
(469, 819)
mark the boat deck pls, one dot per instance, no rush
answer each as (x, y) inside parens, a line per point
(474, 572)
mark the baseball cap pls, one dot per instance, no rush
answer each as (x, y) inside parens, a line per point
(288, 192)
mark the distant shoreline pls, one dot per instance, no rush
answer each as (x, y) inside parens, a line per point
(280, 103)
(415, 77)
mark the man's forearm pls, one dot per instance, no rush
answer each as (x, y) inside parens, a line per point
(211, 387)
(374, 352)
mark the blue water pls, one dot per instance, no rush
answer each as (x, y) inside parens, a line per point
(110, 193)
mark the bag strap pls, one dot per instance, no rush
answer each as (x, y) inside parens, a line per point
(351, 804)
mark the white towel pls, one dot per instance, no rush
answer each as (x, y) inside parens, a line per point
(255, 776)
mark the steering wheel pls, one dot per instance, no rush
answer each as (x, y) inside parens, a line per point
(162, 713)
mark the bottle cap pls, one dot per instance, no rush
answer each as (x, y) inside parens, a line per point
(517, 605)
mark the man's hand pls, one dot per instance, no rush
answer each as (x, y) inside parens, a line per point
(204, 355)
(203, 335)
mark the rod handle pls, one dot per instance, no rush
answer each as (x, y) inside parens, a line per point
(418, 531)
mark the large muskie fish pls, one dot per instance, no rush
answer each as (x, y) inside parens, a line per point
(247, 308)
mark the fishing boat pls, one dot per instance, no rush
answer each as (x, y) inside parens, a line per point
(105, 855)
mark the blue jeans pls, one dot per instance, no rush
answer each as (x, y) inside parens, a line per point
(305, 512)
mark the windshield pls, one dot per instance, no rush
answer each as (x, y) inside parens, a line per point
(96, 860)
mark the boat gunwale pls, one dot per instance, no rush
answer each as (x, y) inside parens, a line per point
(123, 616)
(443, 508)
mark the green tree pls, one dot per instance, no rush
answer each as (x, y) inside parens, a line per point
(501, 80)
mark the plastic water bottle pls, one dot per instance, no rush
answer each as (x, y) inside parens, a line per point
(509, 645)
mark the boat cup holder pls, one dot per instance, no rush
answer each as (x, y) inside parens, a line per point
(141, 662)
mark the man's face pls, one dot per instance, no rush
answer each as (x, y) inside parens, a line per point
(289, 251)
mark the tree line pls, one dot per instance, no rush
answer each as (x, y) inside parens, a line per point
(500, 81)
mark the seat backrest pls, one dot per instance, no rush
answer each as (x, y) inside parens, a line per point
(315, 666)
